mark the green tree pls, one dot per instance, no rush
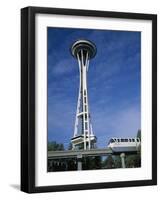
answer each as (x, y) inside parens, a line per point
(91, 162)
(117, 161)
(98, 162)
(134, 160)
(54, 146)
(108, 163)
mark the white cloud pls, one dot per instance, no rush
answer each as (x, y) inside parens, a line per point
(63, 67)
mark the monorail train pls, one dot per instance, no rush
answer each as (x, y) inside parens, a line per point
(124, 144)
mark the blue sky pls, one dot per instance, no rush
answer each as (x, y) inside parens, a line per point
(114, 84)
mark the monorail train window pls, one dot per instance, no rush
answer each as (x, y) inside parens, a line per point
(133, 140)
(112, 141)
(126, 140)
(138, 140)
(129, 140)
(122, 140)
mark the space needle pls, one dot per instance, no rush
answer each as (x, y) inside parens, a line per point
(83, 137)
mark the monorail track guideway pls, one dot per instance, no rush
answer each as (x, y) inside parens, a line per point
(79, 154)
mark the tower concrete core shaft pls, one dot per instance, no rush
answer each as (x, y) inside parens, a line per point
(83, 138)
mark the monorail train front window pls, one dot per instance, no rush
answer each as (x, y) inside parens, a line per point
(111, 141)
(138, 140)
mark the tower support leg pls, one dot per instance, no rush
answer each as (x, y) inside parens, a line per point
(122, 156)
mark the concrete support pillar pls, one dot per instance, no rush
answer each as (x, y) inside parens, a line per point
(122, 156)
(79, 162)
